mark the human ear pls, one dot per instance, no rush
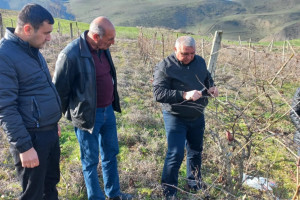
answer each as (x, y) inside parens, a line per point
(27, 28)
(96, 37)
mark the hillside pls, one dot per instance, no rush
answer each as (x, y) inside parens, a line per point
(57, 7)
(255, 19)
(251, 106)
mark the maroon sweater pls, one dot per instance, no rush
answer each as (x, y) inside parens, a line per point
(104, 79)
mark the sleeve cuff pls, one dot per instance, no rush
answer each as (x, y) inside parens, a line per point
(179, 96)
(25, 147)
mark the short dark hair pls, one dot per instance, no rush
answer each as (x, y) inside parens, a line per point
(35, 15)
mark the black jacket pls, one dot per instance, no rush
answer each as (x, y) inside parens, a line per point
(172, 78)
(28, 98)
(295, 113)
(75, 81)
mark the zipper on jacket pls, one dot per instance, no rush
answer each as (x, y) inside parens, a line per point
(43, 65)
(35, 105)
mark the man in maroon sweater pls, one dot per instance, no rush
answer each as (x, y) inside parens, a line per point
(85, 78)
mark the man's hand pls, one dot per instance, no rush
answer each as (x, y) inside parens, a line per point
(29, 158)
(192, 95)
(213, 91)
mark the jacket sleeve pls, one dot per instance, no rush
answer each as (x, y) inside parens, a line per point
(295, 111)
(209, 82)
(162, 87)
(61, 80)
(10, 118)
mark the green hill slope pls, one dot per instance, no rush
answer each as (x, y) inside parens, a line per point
(255, 19)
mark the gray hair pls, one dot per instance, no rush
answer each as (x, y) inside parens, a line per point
(97, 29)
(186, 41)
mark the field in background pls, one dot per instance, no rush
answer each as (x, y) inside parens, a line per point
(249, 106)
(62, 26)
(257, 20)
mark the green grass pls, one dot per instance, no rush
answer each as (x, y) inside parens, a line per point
(277, 163)
(295, 42)
(10, 19)
(127, 32)
(69, 145)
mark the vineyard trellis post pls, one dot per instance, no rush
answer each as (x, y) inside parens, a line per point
(71, 30)
(154, 45)
(1, 26)
(163, 45)
(59, 28)
(214, 53)
(249, 45)
(291, 47)
(283, 51)
(202, 47)
(270, 46)
(78, 32)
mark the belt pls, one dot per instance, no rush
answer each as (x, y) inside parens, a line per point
(44, 128)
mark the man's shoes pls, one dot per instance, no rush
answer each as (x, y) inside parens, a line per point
(193, 189)
(122, 196)
(202, 186)
(196, 188)
(173, 197)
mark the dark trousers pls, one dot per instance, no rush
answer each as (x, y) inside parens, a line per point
(182, 133)
(40, 182)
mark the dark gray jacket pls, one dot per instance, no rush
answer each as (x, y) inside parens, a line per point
(295, 113)
(172, 78)
(75, 81)
(28, 98)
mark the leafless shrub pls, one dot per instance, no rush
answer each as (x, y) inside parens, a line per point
(253, 103)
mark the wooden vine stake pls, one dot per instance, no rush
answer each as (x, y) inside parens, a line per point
(212, 63)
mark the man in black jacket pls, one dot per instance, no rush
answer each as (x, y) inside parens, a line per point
(182, 84)
(85, 78)
(29, 104)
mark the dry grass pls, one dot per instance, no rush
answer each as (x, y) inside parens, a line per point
(248, 106)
